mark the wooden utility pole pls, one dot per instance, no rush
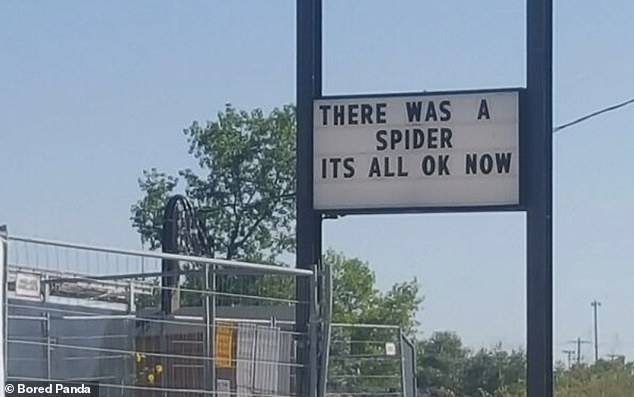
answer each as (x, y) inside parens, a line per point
(595, 307)
(579, 342)
(569, 354)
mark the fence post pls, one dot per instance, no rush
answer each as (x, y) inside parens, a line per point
(325, 310)
(414, 364)
(409, 364)
(313, 329)
(401, 347)
(209, 337)
(3, 306)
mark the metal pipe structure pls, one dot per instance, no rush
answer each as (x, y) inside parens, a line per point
(257, 267)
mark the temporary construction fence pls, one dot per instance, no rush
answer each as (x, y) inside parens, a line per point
(95, 315)
(370, 360)
(89, 314)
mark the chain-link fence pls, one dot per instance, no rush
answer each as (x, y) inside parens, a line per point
(370, 360)
(91, 314)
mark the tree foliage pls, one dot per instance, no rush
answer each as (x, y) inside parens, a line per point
(613, 378)
(358, 301)
(445, 364)
(447, 369)
(359, 357)
(440, 362)
(243, 190)
(243, 186)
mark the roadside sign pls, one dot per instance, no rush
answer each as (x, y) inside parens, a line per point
(390, 153)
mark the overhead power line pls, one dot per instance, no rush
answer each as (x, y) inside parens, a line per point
(594, 114)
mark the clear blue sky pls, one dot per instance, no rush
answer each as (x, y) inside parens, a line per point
(92, 93)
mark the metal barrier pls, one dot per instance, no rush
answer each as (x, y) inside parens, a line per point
(370, 360)
(92, 314)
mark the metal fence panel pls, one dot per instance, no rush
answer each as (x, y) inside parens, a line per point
(245, 354)
(368, 360)
(267, 356)
(96, 317)
(285, 360)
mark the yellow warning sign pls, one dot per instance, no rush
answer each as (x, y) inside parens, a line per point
(224, 345)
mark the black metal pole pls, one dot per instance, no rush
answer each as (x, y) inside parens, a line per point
(308, 234)
(539, 198)
(317, 91)
(317, 218)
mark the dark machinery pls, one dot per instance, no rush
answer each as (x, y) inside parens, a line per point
(184, 233)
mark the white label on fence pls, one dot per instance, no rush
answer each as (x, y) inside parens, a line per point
(415, 151)
(28, 285)
(390, 349)
(224, 388)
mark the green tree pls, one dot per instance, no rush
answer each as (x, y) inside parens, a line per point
(358, 301)
(494, 372)
(446, 367)
(243, 190)
(608, 378)
(440, 361)
(359, 359)
(243, 186)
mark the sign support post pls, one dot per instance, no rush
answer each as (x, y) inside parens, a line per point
(308, 234)
(539, 199)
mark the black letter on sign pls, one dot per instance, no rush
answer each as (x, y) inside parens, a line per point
(401, 168)
(431, 112)
(503, 161)
(335, 166)
(445, 138)
(366, 114)
(387, 167)
(413, 110)
(445, 109)
(380, 138)
(353, 114)
(472, 163)
(339, 114)
(375, 168)
(380, 113)
(428, 165)
(348, 164)
(324, 112)
(484, 110)
(396, 136)
(486, 163)
(324, 168)
(443, 164)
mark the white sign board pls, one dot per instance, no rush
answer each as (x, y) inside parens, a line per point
(28, 285)
(417, 151)
(390, 349)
